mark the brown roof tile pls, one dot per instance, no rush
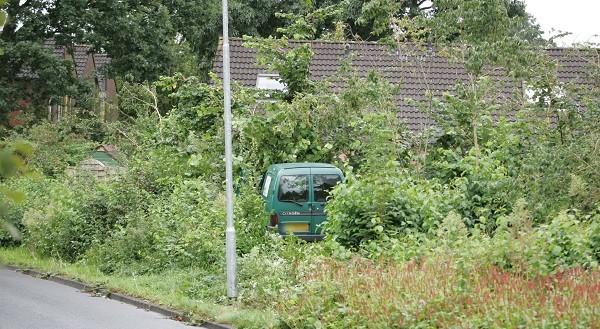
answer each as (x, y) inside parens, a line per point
(81, 55)
(415, 69)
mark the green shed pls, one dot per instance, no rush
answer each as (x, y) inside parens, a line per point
(102, 163)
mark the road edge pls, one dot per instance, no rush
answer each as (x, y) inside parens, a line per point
(139, 303)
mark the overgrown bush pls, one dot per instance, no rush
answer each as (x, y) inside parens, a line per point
(562, 175)
(179, 230)
(57, 146)
(385, 203)
(33, 189)
(482, 185)
(54, 227)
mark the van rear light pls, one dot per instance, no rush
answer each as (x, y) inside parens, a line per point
(274, 220)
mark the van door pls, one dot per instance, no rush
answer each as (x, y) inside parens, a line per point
(292, 201)
(322, 182)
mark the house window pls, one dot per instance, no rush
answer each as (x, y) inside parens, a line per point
(270, 82)
(543, 95)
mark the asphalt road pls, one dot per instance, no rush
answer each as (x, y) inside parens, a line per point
(30, 303)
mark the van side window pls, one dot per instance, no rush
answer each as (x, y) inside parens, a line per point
(293, 188)
(266, 184)
(322, 184)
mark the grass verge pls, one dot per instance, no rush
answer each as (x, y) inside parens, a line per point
(164, 289)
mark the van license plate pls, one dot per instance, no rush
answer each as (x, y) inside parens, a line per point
(296, 227)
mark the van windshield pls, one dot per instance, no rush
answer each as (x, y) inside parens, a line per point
(293, 188)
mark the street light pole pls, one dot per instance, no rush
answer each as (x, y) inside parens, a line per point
(230, 231)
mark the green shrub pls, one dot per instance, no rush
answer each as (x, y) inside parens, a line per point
(34, 189)
(57, 146)
(183, 229)
(55, 227)
(385, 204)
(565, 243)
(561, 172)
(594, 238)
(271, 272)
(265, 275)
(520, 247)
(250, 219)
(67, 218)
(483, 187)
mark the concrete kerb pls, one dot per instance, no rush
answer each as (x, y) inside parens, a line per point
(139, 303)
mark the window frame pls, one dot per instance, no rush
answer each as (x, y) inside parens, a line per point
(271, 82)
(307, 188)
(314, 185)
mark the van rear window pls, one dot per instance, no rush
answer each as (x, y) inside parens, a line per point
(322, 184)
(293, 188)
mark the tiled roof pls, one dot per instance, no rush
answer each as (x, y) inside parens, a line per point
(81, 54)
(59, 51)
(416, 70)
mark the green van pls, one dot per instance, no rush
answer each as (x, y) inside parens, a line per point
(295, 195)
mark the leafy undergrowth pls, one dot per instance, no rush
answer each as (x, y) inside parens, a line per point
(170, 288)
(439, 293)
(327, 292)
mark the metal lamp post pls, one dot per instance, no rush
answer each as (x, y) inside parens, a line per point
(230, 231)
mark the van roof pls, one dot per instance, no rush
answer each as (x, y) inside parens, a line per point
(279, 166)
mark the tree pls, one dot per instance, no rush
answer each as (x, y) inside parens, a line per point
(145, 39)
(377, 19)
(482, 34)
(31, 77)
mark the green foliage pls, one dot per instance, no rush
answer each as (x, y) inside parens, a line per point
(351, 128)
(499, 219)
(147, 39)
(482, 185)
(74, 217)
(265, 273)
(2, 19)
(12, 163)
(383, 204)
(488, 32)
(24, 192)
(250, 219)
(290, 61)
(54, 227)
(31, 76)
(466, 117)
(310, 23)
(561, 175)
(179, 230)
(62, 145)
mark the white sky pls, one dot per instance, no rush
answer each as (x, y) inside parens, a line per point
(580, 17)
